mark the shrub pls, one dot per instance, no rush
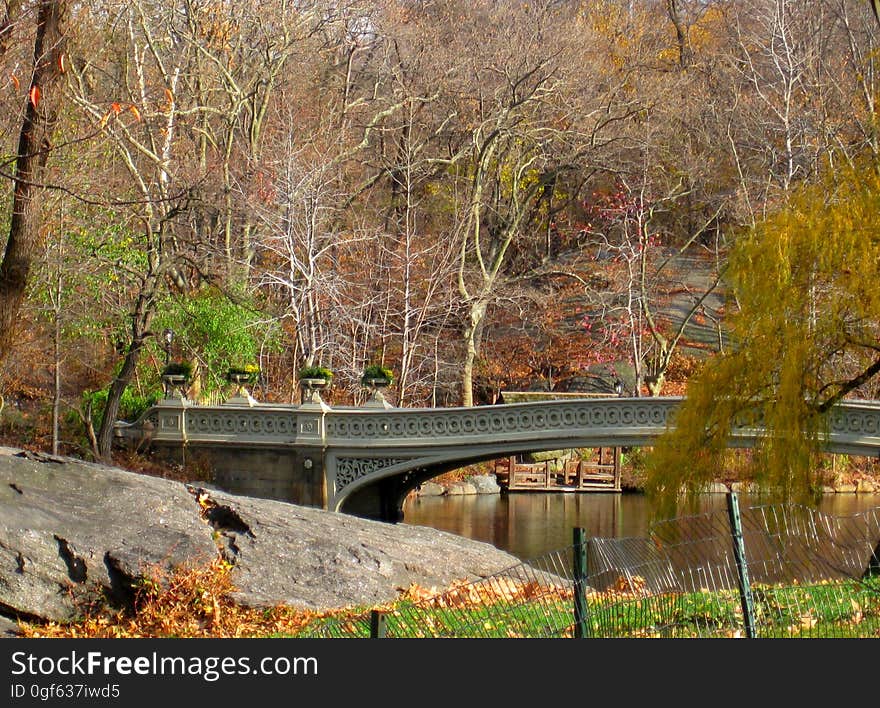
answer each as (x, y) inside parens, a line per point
(246, 369)
(249, 370)
(178, 368)
(375, 371)
(218, 332)
(315, 372)
(131, 406)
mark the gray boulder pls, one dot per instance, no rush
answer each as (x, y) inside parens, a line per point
(72, 531)
(460, 488)
(8, 628)
(312, 558)
(431, 489)
(485, 484)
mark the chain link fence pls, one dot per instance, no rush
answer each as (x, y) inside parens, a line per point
(764, 571)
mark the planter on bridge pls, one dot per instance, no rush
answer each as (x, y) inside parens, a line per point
(176, 376)
(376, 378)
(312, 380)
(240, 376)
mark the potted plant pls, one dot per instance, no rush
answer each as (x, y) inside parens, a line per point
(376, 376)
(312, 379)
(176, 374)
(239, 375)
(315, 377)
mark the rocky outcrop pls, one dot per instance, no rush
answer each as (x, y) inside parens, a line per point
(431, 489)
(460, 488)
(476, 484)
(72, 532)
(485, 484)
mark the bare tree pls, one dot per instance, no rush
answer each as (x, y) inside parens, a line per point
(140, 115)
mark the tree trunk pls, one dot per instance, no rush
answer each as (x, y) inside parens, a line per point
(467, 375)
(478, 311)
(655, 384)
(141, 318)
(56, 373)
(114, 397)
(34, 146)
(677, 16)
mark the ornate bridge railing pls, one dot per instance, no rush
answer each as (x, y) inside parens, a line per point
(853, 426)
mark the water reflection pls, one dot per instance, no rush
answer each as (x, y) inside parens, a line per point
(529, 524)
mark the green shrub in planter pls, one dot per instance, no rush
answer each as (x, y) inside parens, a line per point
(316, 372)
(248, 371)
(178, 368)
(374, 371)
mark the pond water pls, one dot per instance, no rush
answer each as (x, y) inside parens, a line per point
(530, 524)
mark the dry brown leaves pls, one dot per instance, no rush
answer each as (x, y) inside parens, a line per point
(192, 602)
(463, 593)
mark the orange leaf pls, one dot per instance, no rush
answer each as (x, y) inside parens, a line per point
(116, 108)
(61, 63)
(34, 95)
(15, 81)
(135, 112)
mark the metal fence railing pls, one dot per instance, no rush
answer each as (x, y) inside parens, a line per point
(768, 571)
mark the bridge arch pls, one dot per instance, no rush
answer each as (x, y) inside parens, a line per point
(455, 437)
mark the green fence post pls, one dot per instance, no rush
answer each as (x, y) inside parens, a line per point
(579, 574)
(377, 624)
(739, 553)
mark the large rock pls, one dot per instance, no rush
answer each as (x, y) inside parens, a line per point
(485, 484)
(866, 486)
(70, 531)
(8, 628)
(459, 488)
(431, 489)
(313, 558)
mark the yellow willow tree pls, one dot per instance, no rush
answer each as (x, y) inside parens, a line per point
(807, 334)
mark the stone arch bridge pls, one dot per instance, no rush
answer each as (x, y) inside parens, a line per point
(364, 461)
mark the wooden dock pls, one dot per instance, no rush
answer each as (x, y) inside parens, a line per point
(601, 473)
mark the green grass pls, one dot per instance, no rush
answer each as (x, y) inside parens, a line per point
(833, 609)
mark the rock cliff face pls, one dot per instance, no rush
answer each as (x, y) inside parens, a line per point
(72, 531)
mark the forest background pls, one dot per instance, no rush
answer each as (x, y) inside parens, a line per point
(481, 196)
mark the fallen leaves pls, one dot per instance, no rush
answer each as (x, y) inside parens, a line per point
(188, 602)
(464, 594)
